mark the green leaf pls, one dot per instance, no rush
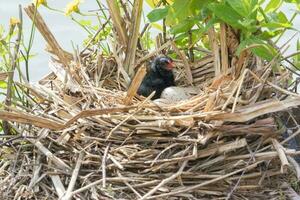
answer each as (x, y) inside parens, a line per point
(243, 7)
(153, 3)
(158, 14)
(184, 26)
(3, 85)
(85, 22)
(267, 34)
(178, 11)
(276, 20)
(197, 6)
(273, 5)
(157, 26)
(150, 3)
(249, 24)
(282, 17)
(258, 47)
(197, 34)
(1, 31)
(227, 14)
(275, 25)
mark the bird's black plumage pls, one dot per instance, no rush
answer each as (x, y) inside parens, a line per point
(158, 77)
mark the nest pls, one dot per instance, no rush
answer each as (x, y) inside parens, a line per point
(91, 138)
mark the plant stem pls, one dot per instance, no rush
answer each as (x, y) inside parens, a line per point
(6, 127)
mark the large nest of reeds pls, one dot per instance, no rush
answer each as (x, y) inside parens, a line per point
(84, 135)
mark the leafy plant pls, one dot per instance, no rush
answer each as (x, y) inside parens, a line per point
(258, 21)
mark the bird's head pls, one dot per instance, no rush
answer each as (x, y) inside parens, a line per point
(163, 63)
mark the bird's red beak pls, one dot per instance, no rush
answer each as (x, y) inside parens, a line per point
(170, 65)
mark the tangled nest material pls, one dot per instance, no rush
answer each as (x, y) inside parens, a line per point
(79, 139)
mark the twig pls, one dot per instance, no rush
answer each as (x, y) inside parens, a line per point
(68, 194)
(130, 186)
(295, 165)
(187, 66)
(104, 158)
(134, 32)
(194, 187)
(280, 150)
(165, 181)
(58, 185)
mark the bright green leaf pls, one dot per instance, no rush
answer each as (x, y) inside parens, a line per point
(196, 6)
(178, 11)
(85, 22)
(153, 3)
(275, 25)
(267, 34)
(273, 5)
(243, 7)
(150, 3)
(184, 26)
(282, 18)
(1, 31)
(197, 34)
(158, 14)
(227, 14)
(3, 85)
(157, 26)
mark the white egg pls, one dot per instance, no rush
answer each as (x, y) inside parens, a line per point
(179, 93)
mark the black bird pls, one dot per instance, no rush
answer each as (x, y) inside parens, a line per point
(158, 77)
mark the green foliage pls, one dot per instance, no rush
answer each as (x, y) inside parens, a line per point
(179, 10)
(244, 7)
(3, 85)
(158, 14)
(273, 5)
(146, 40)
(257, 20)
(258, 47)
(233, 18)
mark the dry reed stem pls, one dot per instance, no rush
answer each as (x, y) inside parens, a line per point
(58, 185)
(135, 84)
(165, 181)
(151, 54)
(74, 177)
(132, 189)
(215, 49)
(46, 33)
(295, 165)
(191, 188)
(118, 21)
(134, 36)
(104, 165)
(224, 49)
(4, 75)
(253, 111)
(187, 66)
(281, 153)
